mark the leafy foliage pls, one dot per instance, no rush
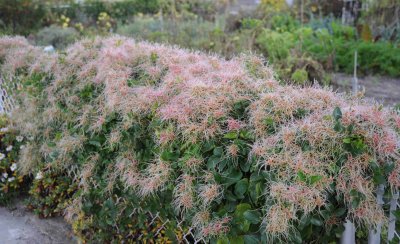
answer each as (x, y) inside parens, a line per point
(124, 129)
(11, 181)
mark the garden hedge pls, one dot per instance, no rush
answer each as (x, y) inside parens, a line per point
(120, 129)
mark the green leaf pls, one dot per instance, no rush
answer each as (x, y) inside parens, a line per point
(229, 196)
(316, 222)
(244, 165)
(233, 177)
(347, 140)
(340, 212)
(314, 179)
(241, 188)
(304, 221)
(325, 214)
(218, 151)
(241, 209)
(339, 231)
(95, 143)
(222, 164)
(337, 113)
(388, 168)
(242, 223)
(251, 239)
(297, 237)
(236, 240)
(231, 135)
(338, 126)
(379, 178)
(247, 135)
(169, 156)
(252, 216)
(230, 206)
(254, 177)
(396, 214)
(223, 240)
(302, 176)
(213, 161)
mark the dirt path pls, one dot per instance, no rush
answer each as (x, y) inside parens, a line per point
(382, 89)
(18, 226)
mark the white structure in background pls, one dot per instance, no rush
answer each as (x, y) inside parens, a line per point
(49, 49)
(290, 2)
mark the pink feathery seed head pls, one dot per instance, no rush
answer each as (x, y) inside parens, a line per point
(216, 227)
(277, 220)
(154, 177)
(209, 193)
(385, 143)
(394, 179)
(198, 69)
(183, 193)
(234, 124)
(194, 163)
(258, 150)
(201, 218)
(154, 71)
(175, 69)
(166, 137)
(233, 150)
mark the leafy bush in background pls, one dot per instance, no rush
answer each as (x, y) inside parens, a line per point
(22, 16)
(332, 47)
(373, 58)
(143, 128)
(58, 37)
(192, 33)
(119, 10)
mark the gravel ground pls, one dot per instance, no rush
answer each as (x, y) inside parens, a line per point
(382, 89)
(19, 226)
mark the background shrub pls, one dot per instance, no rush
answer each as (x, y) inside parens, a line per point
(58, 37)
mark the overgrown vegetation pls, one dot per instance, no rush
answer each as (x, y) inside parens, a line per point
(11, 181)
(303, 46)
(121, 129)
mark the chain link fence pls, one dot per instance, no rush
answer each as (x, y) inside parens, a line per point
(187, 237)
(6, 102)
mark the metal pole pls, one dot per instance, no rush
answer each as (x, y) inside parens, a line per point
(343, 15)
(355, 80)
(302, 12)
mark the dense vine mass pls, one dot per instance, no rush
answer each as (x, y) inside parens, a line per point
(128, 128)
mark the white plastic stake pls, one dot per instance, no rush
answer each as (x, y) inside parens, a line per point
(349, 234)
(392, 218)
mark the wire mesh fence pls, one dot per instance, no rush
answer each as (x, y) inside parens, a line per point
(6, 102)
(182, 235)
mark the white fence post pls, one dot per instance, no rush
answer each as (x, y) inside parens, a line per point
(375, 234)
(392, 219)
(355, 79)
(349, 234)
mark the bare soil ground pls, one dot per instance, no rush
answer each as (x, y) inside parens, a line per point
(19, 226)
(383, 89)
